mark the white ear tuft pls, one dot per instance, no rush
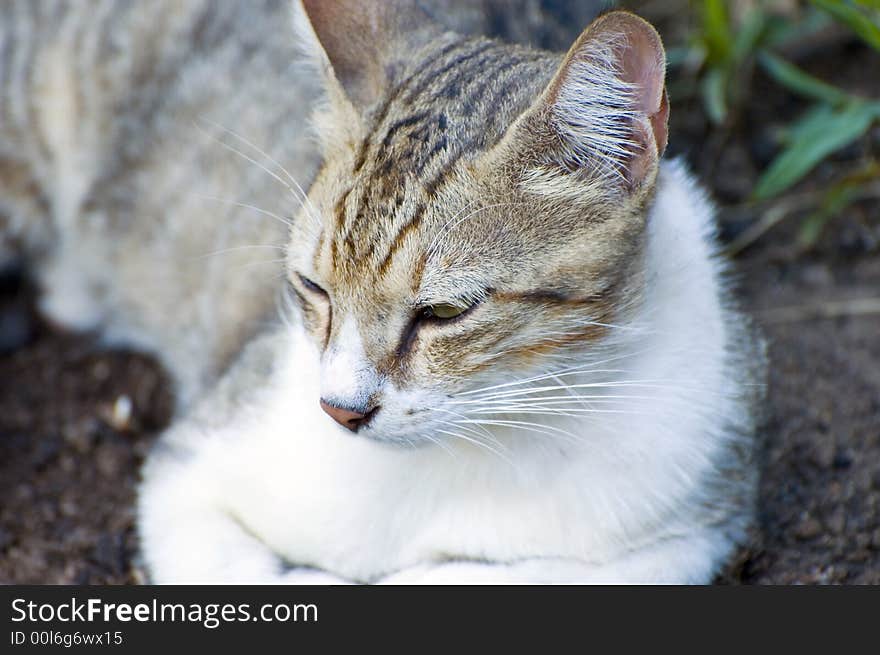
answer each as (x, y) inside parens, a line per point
(607, 104)
(594, 110)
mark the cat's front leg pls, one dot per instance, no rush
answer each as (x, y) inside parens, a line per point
(479, 573)
(188, 536)
(307, 576)
(688, 559)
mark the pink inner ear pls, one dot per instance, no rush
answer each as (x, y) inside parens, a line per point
(642, 62)
(365, 39)
(660, 124)
(642, 65)
(351, 33)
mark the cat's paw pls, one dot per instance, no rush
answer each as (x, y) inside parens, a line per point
(305, 576)
(412, 575)
(445, 574)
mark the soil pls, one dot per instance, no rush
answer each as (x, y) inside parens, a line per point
(68, 461)
(70, 450)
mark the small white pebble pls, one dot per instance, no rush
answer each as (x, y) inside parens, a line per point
(120, 416)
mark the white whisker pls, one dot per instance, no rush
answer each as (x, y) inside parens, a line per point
(287, 222)
(524, 425)
(478, 443)
(258, 246)
(302, 193)
(297, 192)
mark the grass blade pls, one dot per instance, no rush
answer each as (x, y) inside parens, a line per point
(822, 132)
(714, 88)
(716, 31)
(797, 80)
(862, 23)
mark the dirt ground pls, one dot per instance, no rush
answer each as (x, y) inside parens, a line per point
(69, 450)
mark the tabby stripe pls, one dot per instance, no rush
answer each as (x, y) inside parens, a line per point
(419, 272)
(466, 79)
(547, 296)
(339, 215)
(587, 333)
(319, 246)
(426, 75)
(394, 93)
(408, 227)
(439, 179)
(402, 123)
(432, 75)
(502, 91)
(431, 189)
(532, 350)
(389, 99)
(441, 145)
(481, 90)
(497, 66)
(158, 78)
(348, 225)
(329, 330)
(380, 118)
(485, 346)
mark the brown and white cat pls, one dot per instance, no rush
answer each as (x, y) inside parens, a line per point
(509, 353)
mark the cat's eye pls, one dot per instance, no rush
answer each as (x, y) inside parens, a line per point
(443, 311)
(311, 286)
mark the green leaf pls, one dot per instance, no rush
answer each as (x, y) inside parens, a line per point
(801, 82)
(716, 31)
(823, 131)
(863, 23)
(714, 88)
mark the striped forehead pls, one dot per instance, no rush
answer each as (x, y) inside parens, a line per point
(454, 104)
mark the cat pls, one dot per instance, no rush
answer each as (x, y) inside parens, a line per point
(507, 350)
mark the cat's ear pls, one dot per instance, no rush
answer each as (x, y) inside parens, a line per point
(362, 44)
(604, 114)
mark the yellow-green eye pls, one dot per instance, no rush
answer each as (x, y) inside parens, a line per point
(444, 311)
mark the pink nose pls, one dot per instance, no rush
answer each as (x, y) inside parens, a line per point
(348, 418)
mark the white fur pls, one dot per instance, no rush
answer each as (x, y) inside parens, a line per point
(232, 499)
(347, 379)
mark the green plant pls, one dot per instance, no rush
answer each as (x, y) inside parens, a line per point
(722, 51)
(726, 50)
(835, 119)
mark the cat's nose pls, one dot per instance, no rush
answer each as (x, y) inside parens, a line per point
(348, 418)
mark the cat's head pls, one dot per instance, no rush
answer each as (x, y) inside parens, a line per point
(479, 217)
